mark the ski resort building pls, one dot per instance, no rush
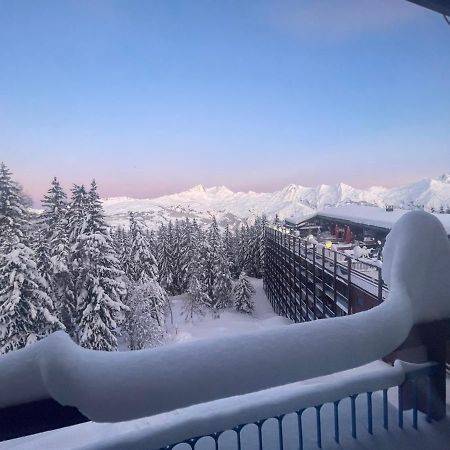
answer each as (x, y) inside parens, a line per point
(366, 223)
(329, 263)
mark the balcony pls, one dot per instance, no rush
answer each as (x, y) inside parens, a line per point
(315, 384)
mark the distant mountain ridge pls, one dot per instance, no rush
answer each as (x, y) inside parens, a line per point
(236, 207)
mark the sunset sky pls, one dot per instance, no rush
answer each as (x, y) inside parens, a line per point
(153, 97)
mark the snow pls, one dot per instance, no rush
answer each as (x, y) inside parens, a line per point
(127, 385)
(229, 323)
(367, 215)
(417, 269)
(203, 375)
(235, 207)
(154, 432)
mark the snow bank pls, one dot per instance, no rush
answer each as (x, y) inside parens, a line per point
(109, 387)
(416, 266)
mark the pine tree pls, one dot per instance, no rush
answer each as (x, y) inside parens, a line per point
(143, 264)
(230, 251)
(43, 257)
(196, 300)
(243, 292)
(186, 253)
(247, 243)
(165, 257)
(262, 244)
(145, 321)
(122, 243)
(54, 224)
(222, 287)
(13, 213)
(77, 214)
(177, 250)
(209, 251)
(99, 285)
(26, 310)
(55, 205)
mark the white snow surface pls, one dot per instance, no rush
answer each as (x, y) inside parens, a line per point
(116, 386)
(367, 215)
(234, 207)
(159, 430)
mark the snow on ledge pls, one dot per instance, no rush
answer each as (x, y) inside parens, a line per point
(117, 386)
(224, 414)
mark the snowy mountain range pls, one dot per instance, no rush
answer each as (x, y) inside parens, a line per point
(237, 207)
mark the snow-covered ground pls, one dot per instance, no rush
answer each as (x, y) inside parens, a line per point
(132, 434)
(230, 321)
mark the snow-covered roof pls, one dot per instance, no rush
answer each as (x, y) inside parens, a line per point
(300, 218)
(366, 215)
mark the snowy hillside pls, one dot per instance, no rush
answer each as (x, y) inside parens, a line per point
(235, 207)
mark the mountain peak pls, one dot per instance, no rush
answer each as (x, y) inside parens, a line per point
(445, 178)
(219, 190)
(197, 188)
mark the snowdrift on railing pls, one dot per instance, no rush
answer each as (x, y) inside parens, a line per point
(109, 387)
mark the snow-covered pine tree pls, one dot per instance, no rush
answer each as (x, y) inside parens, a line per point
(44, 263)
(214, 238)
(122, 242)
(177, 259)
(230, 247)
(146, 319)
(243, 292)
(254, 268)
(209, 252)
(26, 310)
(186, 253)
(55, 206)
(13, 212)
(54, 224)
(99, 286)
(77, 213)
(193, 257)
(254, 258)
(222, 286)
(165, 257)
(142, 262)
(246, 246)
(262, 244)
(63, 278)
(196, 300)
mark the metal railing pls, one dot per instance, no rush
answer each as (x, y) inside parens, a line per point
(277, 424)
(306, 281)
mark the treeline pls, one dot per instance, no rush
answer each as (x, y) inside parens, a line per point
(183, 257)
(66, 270)
(182, 250)
(420, 206)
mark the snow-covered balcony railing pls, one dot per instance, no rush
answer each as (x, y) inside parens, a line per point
(226, 383)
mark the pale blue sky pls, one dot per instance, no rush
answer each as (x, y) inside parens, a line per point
(152, 97)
